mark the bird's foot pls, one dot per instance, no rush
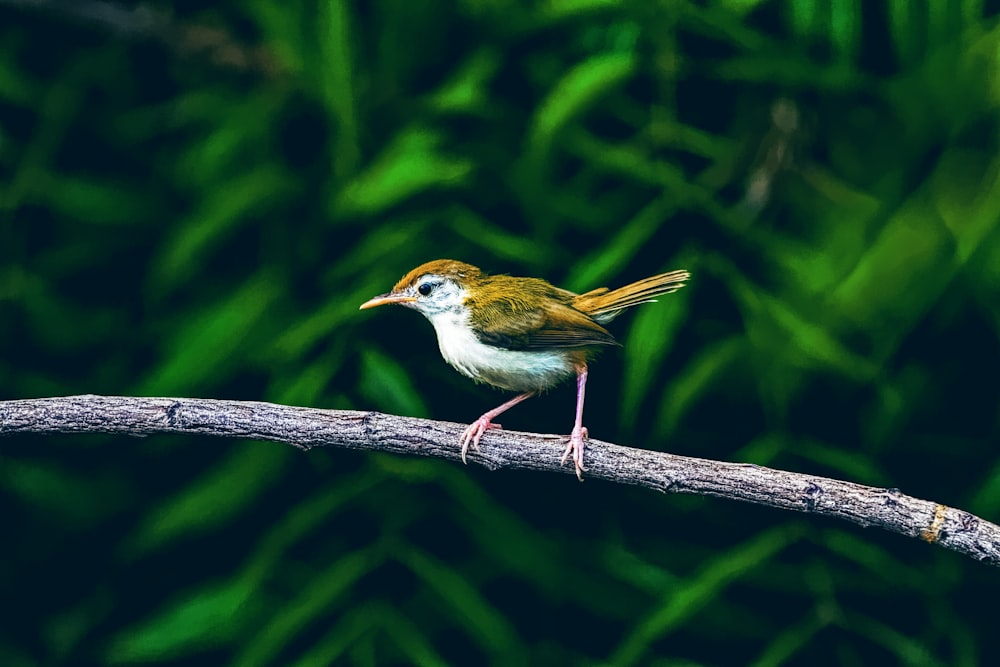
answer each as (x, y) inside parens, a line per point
(575, 449)
(473, 432)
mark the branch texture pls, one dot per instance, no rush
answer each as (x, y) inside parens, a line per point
(306, 428)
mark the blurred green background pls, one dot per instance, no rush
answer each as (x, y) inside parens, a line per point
(194, 202)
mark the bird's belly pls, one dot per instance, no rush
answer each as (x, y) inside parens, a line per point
(508, 369)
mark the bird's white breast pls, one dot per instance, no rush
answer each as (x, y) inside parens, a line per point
(508, 369)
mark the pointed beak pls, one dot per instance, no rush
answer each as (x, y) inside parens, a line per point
(386, 299)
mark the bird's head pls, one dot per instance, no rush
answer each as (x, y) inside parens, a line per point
(434, 288)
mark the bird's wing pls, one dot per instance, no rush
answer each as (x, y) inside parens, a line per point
(509, 322)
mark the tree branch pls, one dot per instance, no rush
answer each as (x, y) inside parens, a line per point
(306, 428)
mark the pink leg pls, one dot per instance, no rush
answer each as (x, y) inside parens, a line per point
(475, 430)
(575, 446)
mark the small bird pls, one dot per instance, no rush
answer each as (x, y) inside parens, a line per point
(519, 334)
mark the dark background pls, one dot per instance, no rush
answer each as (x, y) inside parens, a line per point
(194, 202)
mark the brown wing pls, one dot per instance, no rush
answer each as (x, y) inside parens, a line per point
(512, 319)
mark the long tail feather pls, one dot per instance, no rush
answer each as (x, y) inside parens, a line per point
(604, 305)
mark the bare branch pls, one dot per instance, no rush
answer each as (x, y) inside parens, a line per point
(306, 428)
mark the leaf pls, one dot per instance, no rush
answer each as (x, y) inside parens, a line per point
(87, 199)
(413, 642)
(739, 8)
(907, 650)
(336, 36)
(682, 602)
(632, 162)
(281, 25)
(649, 341)
(211, 616)
(466, 90)
(906, 28)
(804, 15)
(345, 632)
(51, 488)
(465, 605)
(228, 132)
(214, 499)
(774, 324)
(392, 629)
(516, 544)
(845, 462)
(894, 404)
(368, 258)
(210, 340)
(600, 266)
(495, 239)
(67, 630)
(640, 574)
(303, 520)
(308, 387)
(309, 605)
(15, 86)
(762, 450)
(904, 271)
(965, 189)
(875, 559)
(412, 163)
(563, 10)
(386, 384)
(987, 492)
(845, 27)
(784, 646)
(694, 381)
(579, 89)
(222, 212)
(342, 307)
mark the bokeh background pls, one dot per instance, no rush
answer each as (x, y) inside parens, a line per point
(194, 201)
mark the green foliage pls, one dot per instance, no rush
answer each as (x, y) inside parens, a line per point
(196, 203)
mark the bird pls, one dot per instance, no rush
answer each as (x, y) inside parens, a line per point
(519, 334)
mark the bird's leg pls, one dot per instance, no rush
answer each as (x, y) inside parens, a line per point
(576, 438)
(475, 430)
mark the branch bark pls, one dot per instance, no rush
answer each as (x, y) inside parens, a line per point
(306, 428)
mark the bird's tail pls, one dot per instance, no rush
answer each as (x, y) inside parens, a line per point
(604, 305)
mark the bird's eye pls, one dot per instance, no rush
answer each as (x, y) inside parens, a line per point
(425, 289)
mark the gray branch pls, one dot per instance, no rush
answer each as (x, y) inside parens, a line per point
(306, 428)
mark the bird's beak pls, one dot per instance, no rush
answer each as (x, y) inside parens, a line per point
(383, 299)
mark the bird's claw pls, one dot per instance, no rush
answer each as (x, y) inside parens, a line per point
(473, 432)
(575, 449)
